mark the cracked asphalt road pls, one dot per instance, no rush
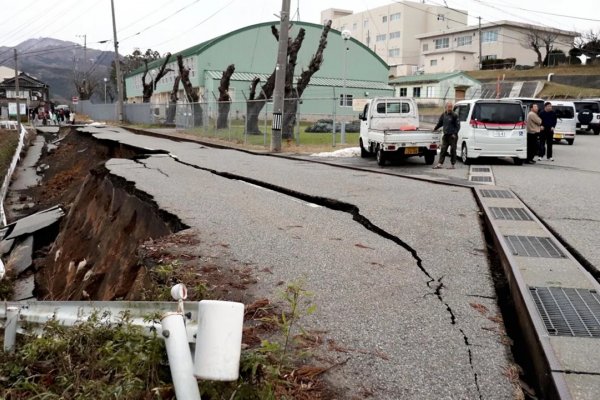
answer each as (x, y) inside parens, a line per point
(414, 329)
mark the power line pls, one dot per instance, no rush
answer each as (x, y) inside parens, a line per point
(549, 13)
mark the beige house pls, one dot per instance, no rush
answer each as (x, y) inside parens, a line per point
(457, 49)
(6, 73)
(390, 31)
(436, 89)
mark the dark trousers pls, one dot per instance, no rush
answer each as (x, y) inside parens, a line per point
(546, 140)
(448, 140)
(532, 145)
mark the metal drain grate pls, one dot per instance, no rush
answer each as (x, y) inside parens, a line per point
(497, 194)
(481, 179)
(509, 213)
(480, 169)
(568, 311)
(533, 246)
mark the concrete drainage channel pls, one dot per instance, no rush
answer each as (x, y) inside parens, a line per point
(557, 299)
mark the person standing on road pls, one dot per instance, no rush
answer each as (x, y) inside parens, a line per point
(534, 125)
(549, 119)
(451, 125)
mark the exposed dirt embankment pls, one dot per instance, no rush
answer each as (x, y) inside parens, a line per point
(94, 256)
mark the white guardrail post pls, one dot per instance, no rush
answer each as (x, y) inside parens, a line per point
(214, 326)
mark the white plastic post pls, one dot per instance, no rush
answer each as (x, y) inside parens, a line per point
(180, 357)
(10, 329)
(219, 340)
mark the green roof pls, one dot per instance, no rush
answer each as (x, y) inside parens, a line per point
(425, 78)
(199, 48)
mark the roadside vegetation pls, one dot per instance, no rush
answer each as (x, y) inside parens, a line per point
(99, 360)
(8, 144)
(535, 72)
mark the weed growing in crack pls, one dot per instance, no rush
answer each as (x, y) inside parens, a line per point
(7, 287)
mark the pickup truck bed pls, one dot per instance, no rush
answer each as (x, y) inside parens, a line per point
(396, 143)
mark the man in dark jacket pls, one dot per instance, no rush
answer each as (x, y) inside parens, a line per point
(451, 125)
(549, 119)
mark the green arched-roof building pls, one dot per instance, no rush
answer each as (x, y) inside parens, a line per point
(253, 51)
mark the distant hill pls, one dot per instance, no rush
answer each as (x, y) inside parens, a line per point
(53, 61)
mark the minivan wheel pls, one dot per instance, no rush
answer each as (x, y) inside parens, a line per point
(464, 156)
(380, 156)
(518, 161)
(570, 141)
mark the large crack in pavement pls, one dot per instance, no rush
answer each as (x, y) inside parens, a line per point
(353, 210)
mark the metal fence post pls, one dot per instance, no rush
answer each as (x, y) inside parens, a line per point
(180, 357)
(298, 122)
(266, 118)
(10, 329)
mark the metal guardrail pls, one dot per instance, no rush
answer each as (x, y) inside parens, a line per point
(214, 328)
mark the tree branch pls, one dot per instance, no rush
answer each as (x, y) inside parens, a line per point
(253, 85)
(315, 62)
(224, 83)
(162, 71)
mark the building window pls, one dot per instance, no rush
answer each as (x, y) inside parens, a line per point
(354, 26)
(394, 35)
(395, 52)
(366, 23)
(490, 36)
(403, 92)
(441, 17)
(425, 47)
(12, 94)
(464, 41)
(442, 43)
(395, 17)
(348, 98)
(384, 19)
(416, 92)
(490, 57)
(432, 63)
(380, 38)
(430, 91)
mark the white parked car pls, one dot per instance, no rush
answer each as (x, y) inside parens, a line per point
(588, 115)
(566, 125)
(491, 128)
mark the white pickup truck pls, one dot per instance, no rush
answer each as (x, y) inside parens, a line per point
(389, 129)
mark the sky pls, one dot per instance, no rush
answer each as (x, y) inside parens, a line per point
(174, 25)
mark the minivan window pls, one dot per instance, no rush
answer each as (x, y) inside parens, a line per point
(499, 113)
(393, 108)
(564, 112)
(462, 111)
(592, 106)
(529, 103)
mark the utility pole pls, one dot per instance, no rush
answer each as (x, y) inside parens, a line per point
(85, 59)
(480, 59)
(118, 66)
(280, 72)
(17, 92)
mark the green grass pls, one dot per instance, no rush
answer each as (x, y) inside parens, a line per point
(557, 90)
(535, 72)
(8, 144)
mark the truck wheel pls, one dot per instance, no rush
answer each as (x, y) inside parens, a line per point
(380, 157)
(430, 157)
(518, 161)
(464, 156)
(597, 131)
(570, 141)
(363, 153)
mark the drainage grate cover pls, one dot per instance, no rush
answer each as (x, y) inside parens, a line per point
(568, 311)
(481, 179)
(533, 246)
(480, 169)
(509, 213)
(497, 194)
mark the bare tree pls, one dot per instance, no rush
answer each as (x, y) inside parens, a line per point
(537, 41)
(192, 94)
(85, 85)
(224, 98)
(173, 101)
(148, 88)
(255, 102)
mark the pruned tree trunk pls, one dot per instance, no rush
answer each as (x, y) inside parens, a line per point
(148, 88)
(255, 104)
(316, 61)
(224, 98)
(172, 110)
(191, 93)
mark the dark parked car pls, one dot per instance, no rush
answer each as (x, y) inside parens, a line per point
(326, 126)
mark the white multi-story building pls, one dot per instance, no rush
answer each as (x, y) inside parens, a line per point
(390, 31)
(457, 49)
